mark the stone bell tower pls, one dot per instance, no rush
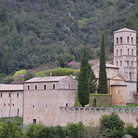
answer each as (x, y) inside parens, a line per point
(125, 57)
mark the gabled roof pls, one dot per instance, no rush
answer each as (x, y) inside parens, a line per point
(125, 30)
(47, 79)
(120, 76)
(11, 87)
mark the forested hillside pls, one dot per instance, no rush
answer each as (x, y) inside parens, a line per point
(39, 32)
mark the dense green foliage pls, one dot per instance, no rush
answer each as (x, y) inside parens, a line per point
(10, 130)
(39, 32)
(83, 82)
(113, 124)
(102, 87)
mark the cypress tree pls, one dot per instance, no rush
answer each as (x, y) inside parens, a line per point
(83, 83)
(102, 88)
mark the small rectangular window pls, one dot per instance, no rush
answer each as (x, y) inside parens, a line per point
(9, 95)
(34, 121)
(35, 87)
(54, 86)
(45, 87)
(28, 87)
(1, 95)
(17, 94)
(17, 111)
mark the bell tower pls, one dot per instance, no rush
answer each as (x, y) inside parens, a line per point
(125, 56)
(125, 53)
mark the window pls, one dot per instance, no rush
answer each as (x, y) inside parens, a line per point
(69, 87)
(121, 40)
(130, 75)
(46, 105)
(54, 86)
(127, 62)
(28, 87)
(121, 63)
(17, 94)
(132, 63)
(1, 95)
(132, 52)
(128, 39)
(120, 52)
(45, 86)
(34, 121)
(128, 51)
(9, 95)
(17, 111)
(66, 104)
(116, 63)
(131, 40)
(117, 52)
(117, 40)
(12, 104)
(33, 106)
(35, 87)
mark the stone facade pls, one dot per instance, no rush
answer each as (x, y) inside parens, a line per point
(43, 98)
(11, 100)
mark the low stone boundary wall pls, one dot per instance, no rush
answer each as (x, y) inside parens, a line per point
(90, 115)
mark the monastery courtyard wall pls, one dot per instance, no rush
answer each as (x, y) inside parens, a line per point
(90, 116)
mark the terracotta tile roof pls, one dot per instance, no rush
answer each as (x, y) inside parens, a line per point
(11, 87)
(46, 79)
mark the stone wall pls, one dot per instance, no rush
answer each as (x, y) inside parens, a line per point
(11, 104)
(90, 116)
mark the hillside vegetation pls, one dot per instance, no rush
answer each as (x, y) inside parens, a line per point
(45, 32)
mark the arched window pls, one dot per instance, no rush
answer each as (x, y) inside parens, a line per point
(35, 87)
(54, 86)
(128, 39)
(45, 86)
(120, 52)
(131, 40)
(117, 52)
(132, 52)
(121, 63)
(117, 40)
(28, 87)
(121, 40)
(130, 75)
(128, 51)
(132, 63)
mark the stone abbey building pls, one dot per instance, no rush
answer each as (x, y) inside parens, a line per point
(41, 98)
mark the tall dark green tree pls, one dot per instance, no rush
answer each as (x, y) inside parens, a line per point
(83, 85)
(102, 87)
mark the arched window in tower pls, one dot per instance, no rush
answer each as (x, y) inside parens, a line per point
(116, 52)
(132, 63)
(130, 75)
(128, 51)
(131, 40)
(128, 39)
(121, 40)
(132, 52)
(120, 52)
(121, 63)
(117, 40)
